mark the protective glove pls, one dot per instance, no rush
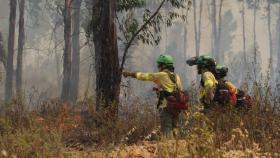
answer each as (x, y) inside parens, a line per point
(129, 74)
(209, 96)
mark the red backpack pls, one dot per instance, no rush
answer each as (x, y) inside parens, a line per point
(178, 100)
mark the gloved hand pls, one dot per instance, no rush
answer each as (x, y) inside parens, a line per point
(206, 100)
(209, 96)
(129, 74)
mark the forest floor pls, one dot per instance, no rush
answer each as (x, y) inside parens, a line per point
(54, 129)
(150, 150)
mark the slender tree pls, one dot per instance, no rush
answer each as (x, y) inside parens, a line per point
(244, 34)
(220, 55)
(3, 57)
(67, 52)
(21, 37)
(74, 87)
(10, 58)
(255, 37)
(271, 70)
(278, 44)
(185, 48)
(199, 25)
(57, 57)
(214, 28)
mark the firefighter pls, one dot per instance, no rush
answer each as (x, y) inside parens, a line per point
(167, 82)
(205, 67)
(226, 91)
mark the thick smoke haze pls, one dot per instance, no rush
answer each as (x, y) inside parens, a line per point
(43, 57)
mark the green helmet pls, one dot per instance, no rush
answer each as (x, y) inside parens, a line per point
(165, 59)
(203, 60)
(221, 70)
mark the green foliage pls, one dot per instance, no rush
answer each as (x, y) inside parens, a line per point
(126, 5)
(132, 17)
(151, 33)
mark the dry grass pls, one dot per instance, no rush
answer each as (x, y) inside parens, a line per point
(54, 129)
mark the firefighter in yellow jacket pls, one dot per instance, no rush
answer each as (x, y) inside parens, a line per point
(226, 92)
(166, 86)
(205, 67)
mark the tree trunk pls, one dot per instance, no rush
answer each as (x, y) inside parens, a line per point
(271, 70)
(74, 89)
(186, 76)
(21, 39)
(3, 57)
(220, 54)
(278, 44)
(67, 52)
(108, 75)
(57, 58)
(10, 59)
(255, 40)
(244, 34)
(199, 26)
(195, 28)
(214, 29)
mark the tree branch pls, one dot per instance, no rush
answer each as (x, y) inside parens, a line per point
(137, 33)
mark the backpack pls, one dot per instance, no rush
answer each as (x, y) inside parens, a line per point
(223, 95)
(177, 100)
(243, 100)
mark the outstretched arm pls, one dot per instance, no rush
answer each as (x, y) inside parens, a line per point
(143, 76)
(129, 74)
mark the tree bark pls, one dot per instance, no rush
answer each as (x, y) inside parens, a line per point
(185, 44)
(21, 39)
(10, 59)
(195, 28)
(75, 75)
(199, 26)
(214, 29)
(220, 54)
(271, 70)
(67, 52)
(255, 39)
(185, 50)
(244, 34)
(3, 57)
(108, 75)
(57, 59)
(278, 44)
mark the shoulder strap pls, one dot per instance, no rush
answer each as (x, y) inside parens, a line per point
(173, 78)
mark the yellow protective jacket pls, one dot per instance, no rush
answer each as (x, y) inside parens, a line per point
(209, 83)
(162, 80)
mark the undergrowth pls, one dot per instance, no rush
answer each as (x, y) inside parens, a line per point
(54, 129)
